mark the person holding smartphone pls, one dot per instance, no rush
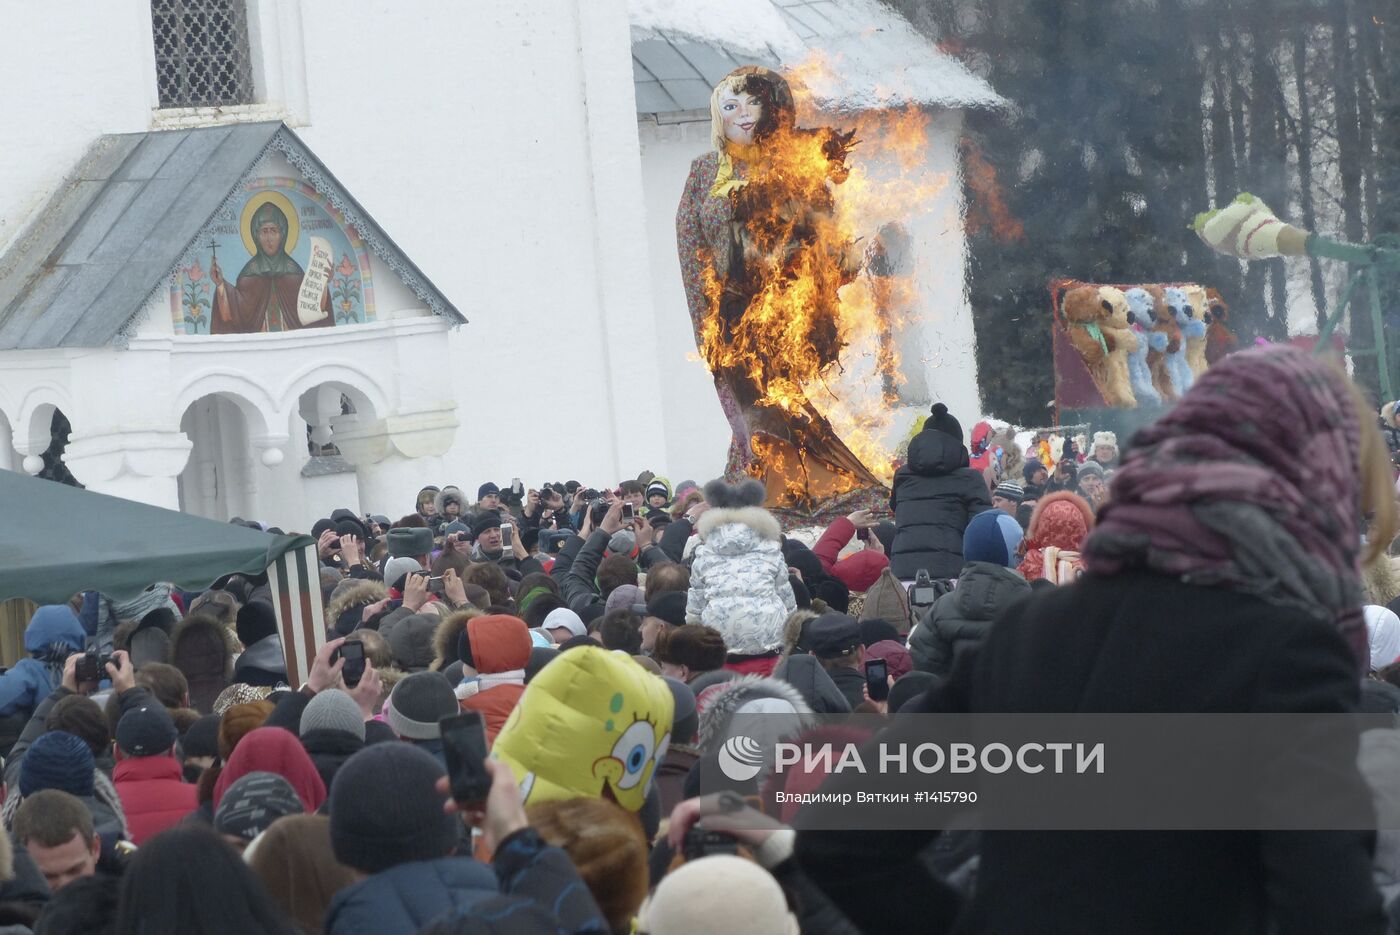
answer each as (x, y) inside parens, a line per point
(499, 542)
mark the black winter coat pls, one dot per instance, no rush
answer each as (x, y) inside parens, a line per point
(933, 497)
(960, 619)
(1132, 643)
(329, 749)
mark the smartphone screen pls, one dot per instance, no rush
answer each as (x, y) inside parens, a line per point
(629, 512)
(435, 584)
(464, 744)
(877, 679)
(506, 530)
(353, 652)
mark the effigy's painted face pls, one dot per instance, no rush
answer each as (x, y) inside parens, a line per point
(741, 113)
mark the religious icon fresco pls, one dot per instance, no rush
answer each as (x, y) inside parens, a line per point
(280, 258)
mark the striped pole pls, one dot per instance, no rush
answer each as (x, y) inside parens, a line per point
(296, 595)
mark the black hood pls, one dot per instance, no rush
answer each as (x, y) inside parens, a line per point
(932, 454)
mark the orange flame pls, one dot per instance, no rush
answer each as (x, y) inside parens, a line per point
(987, 208)
(825, 308)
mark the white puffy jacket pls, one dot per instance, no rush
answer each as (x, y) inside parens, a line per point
(739, 580)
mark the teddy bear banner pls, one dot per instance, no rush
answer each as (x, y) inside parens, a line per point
(1134, 346)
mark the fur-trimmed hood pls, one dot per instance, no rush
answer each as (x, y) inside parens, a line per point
(728, 697)
(736, 505)
(446, 635)
(762, 523)
(451, 493)
(365, 591)
(194, 626)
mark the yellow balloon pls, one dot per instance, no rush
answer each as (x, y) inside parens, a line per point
(256, 202)
(591, 723)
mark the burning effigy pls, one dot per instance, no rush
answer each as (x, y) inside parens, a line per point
(786, 266)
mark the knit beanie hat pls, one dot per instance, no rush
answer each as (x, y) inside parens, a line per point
(333, 709)
(1090, 469)
(417, 704)
(686, 903)
(256, 620)
(202, 739)
(57, 760)
(622, 542)
(1009, 491)
(146, 731)
(669, 607)
(909, 686)
(940, 420)
(398, 568)
(623, 597)
(254, 802)
(373, 831)
(411, 641)
(992, 536)
(895, 654)
(685, 721)
(485, 490)
(238, 722)
(484, 522)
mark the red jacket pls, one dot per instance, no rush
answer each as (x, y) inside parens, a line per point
(857, 572)
(500, 646)
(153, 795)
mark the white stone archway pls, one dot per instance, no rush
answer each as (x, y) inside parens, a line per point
(219, 481)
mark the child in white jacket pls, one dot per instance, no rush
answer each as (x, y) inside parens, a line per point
(739, 577)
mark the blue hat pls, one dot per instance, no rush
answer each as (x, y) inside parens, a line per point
(992, 536)
(57, 760)
(485, 489)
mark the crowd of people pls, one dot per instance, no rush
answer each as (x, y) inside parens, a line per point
(161, 774)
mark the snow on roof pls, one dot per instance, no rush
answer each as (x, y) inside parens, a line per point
(876, 59)
(752, 26)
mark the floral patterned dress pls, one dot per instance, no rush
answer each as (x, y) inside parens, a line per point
(703, 241)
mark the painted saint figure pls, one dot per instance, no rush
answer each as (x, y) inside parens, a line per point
(265, 296)
(762, 259)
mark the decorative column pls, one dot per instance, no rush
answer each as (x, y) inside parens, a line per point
(396, 456)
(137, 465)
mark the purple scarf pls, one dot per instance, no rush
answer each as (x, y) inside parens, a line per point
(1253, 483)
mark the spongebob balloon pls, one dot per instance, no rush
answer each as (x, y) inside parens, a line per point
(592, 723)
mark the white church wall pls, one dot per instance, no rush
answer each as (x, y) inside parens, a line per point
(699, 444)
(506, 182)
(75, 70)
(496, 145)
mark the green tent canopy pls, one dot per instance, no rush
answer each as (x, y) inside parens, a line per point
(56, 540)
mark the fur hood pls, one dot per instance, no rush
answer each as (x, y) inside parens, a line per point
(205, 621)
(1382, 581)
(758, 519)
(451, 493)
(366, 591)
(446, 635)
(730, 696)
(740, 503)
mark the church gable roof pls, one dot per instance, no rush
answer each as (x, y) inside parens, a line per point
(682, 48)
(127, 214)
